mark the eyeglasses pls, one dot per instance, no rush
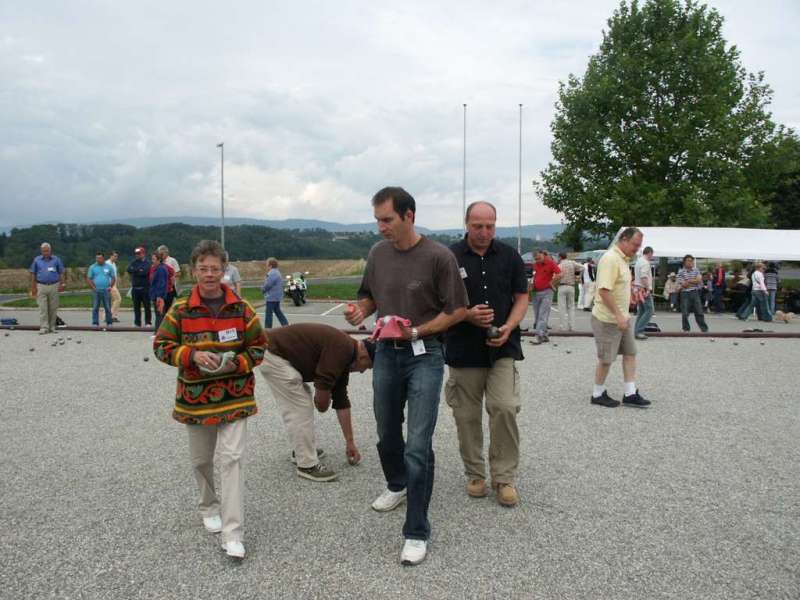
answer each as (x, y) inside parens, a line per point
(209, 270)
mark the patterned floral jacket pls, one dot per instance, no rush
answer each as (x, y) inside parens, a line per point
(203, 399)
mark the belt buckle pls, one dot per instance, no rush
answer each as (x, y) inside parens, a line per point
(398, 344)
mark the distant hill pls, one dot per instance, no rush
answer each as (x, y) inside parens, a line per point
(534, 232)
(543, 232)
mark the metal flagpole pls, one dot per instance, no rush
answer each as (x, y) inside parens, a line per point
(519, 208)
(464, 179)
(221, 147)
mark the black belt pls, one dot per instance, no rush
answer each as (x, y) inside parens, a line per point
(404, 344)
(43, 283)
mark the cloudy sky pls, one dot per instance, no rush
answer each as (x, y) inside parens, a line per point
(114, 109)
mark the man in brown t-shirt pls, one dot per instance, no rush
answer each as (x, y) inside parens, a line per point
(307, 352)
(408, 275)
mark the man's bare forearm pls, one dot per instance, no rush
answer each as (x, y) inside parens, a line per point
(442, 322)
(517, 311)
(608, 300)
(346, 423)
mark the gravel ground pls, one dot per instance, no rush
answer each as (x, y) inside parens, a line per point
(697, 497)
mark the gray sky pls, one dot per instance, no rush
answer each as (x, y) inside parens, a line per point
(113, 109)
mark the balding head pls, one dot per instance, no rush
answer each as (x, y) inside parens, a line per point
(480, 221)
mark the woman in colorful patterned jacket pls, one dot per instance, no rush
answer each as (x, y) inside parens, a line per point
(215, 339)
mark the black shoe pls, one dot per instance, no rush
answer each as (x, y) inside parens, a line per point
(605, 400)
(635, 400)
(546, 338)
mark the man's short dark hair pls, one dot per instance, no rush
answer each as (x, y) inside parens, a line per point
(628, 233)
(562, 255)
(402, 201)
(685, 257)
(209, 248)
(99, 253)
(647, 250)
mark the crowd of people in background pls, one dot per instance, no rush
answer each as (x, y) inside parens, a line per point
(154, 284)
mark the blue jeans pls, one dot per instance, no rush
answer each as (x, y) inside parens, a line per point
(399, 378)
(644, 310)
(773, 297)
(98, 297)
(274, 307)
(761, 302)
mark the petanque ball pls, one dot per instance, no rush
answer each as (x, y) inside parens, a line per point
(69, 338)
(352, 460)
(7, 334)
(555, 345)
(762, 343)
(77, 341)
(493, 333)
(31, 349)
(735, 343)
(569, 351)
(146, 358)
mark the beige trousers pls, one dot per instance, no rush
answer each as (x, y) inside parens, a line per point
(228, 441)
(47, 300)
(296, 405)
(464, 393)
(566, 307)
(116, 301)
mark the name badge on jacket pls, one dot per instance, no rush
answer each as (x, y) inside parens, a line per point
(228, 335)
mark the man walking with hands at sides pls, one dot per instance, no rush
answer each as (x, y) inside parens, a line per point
(643, 282)
(47, 280)
(570, 272)
(412, 277)
(100, 278)
(611, 325)
(691, 282)
(481, 351)
(545, 278)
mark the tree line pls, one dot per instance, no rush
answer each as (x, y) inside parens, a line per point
(76, 245)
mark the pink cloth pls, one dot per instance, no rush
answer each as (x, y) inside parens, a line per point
(388, 328)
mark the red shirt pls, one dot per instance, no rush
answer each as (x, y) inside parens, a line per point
(543, 275)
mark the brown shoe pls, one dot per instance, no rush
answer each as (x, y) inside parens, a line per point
(507, 494)
(476, 488)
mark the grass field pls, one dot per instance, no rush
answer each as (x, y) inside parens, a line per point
(325, 291)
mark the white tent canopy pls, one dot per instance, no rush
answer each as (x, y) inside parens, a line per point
(724, 243)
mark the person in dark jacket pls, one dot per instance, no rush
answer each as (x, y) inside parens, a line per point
(139, 271)
(159, 289)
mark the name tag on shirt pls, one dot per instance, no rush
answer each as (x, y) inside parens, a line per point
(463, 272)
(418, 347)
(51, 269)
(228, 335)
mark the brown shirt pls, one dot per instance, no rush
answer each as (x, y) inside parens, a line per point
(418, 283)
(320, 353)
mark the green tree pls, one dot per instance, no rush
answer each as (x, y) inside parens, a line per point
(662, 128)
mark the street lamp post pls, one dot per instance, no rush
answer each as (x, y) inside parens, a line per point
(221, 147)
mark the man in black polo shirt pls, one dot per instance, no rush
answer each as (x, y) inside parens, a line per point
(482, 365)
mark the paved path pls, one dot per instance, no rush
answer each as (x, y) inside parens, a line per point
(697, 497)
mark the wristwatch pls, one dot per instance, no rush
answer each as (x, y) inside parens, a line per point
(414, 334)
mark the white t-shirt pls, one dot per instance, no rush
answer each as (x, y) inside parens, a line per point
(758, 282)
(231, 276)
(642, 271)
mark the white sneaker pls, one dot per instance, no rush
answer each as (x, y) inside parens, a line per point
(414, 552)
(234, 549)
(213, 524)
(389, 500)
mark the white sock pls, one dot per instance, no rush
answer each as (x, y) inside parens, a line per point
(630, 388)
(598, 390)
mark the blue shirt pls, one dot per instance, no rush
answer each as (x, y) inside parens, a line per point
(273, 286)
(47, 270)
(101, 275)
(159, 286)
